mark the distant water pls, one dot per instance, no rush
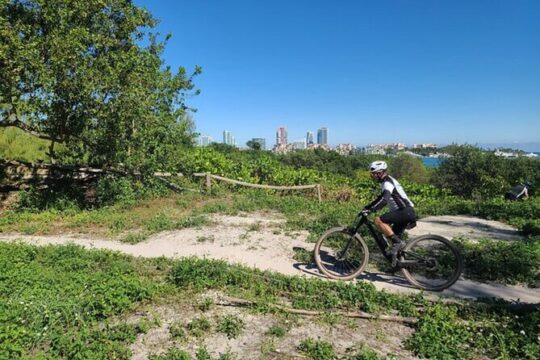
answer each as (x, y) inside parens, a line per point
(431, 161)
(434, 162)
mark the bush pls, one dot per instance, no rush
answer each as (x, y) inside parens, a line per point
(474, 173)
(112, 189)
(506, 262)
(62, 195)
(407, 167)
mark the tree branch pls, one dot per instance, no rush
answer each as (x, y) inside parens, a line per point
(28, 129)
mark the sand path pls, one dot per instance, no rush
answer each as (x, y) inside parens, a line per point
(259, 241)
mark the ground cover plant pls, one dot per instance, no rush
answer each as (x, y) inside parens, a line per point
(470, 329)
(517, 262)
(57, 302)
(64, 301)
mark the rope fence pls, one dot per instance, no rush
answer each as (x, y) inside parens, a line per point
(209, 178)
(21, 174)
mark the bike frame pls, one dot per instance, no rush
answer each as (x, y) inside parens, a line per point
(381, 241)
(361, 220)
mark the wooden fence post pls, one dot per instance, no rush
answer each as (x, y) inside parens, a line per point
(319, 192)
(208, 183)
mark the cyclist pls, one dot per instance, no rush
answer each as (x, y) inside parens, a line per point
(401, 214)
(518, 192)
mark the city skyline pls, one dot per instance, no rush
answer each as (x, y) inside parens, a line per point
(204, 140)
(375, 72)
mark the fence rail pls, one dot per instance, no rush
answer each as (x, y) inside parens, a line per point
(20, 175)
(209, 178)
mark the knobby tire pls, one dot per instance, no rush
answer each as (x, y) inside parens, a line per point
(329, 264)
(415, 279)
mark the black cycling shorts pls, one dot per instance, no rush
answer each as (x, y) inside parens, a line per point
(399, 219)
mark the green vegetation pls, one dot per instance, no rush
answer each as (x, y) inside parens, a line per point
(15, 144)
(63, 301)
(76, 73)
(265, 288)
(504, 262)
(473, 173)
(231, 326)
(277, 330)
(171, 354)
(317, 349)
(199, 327)
(487, 260)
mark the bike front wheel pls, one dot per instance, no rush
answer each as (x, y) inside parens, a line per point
(341, 255)
(431, 262)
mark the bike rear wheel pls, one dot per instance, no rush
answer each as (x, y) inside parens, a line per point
(341, 255)
(431, 262)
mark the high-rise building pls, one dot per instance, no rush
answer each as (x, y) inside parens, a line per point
(281, 136)
(309, 138)
(205, 140)
(261, 141)
(299, 144)
(228, 138)
(322, 136)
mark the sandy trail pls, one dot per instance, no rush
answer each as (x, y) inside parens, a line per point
(259, 241)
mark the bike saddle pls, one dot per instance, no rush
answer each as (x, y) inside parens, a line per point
(411, 225)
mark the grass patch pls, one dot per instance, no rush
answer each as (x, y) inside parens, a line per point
(317, 349)
(199, 327)
(135, 238)
(53, 298)
(231, 326)
(68, 302)
(265, 287)
(205, 304)
(176, 330)
(171, 354)
(303, 256)
(277, 330)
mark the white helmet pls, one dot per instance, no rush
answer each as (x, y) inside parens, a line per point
(378, 166)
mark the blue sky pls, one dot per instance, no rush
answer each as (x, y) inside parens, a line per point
(369, 71)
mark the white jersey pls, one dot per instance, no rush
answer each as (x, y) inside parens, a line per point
(392, 195)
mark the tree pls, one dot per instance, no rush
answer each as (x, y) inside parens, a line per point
(75, 72)
(254, 145)
(408, 167)
(470, 172)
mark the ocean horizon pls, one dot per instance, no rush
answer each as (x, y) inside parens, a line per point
(435, 161)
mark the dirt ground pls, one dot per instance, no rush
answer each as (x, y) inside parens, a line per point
(256, 339)
(260, 241)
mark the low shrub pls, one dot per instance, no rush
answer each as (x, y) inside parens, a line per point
(61, 196)
(53, 298)
(505, 262)
(440, 335)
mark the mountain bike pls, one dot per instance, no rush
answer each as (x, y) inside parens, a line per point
(429, 262)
